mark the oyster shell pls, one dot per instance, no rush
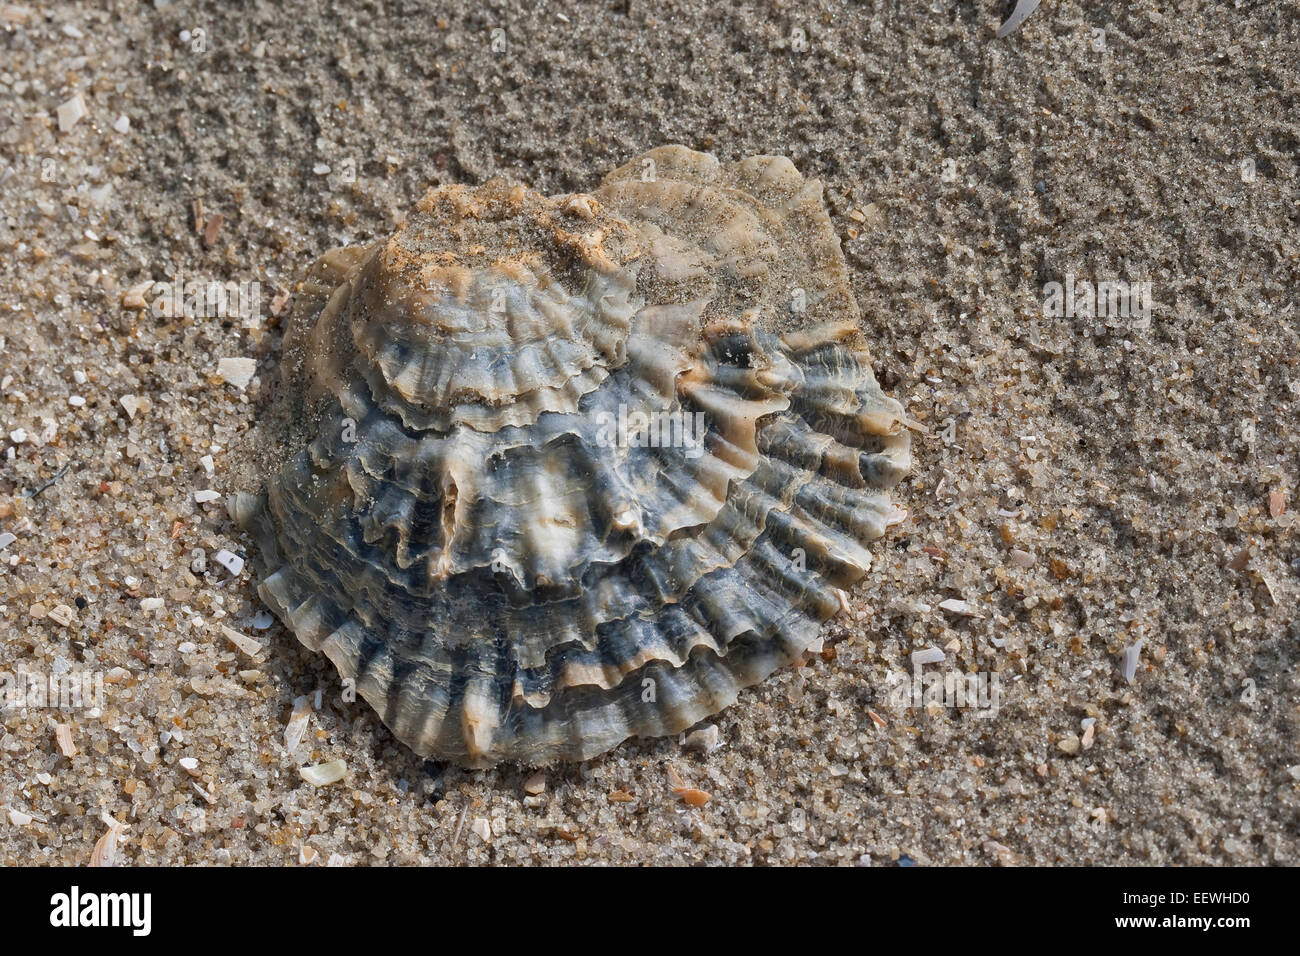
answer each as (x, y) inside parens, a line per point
(580, 468)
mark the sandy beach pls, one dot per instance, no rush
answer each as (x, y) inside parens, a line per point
(1100, 515)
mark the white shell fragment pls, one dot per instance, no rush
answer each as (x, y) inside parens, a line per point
(1021, 13)
(63, 737)
(63, 615)
(230, 561)
(323, 774)
(577, 469)
(959, 608)
(242, 641)
(928, 655)
(70, 113)
(104, 853)
(1132, 654)
(296, 728)
(237, 371)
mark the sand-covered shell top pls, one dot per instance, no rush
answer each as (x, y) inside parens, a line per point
(583, 466)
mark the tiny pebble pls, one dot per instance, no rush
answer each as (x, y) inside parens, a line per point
(704, 740)
(535, 784)
(131, 404)
(122, 124)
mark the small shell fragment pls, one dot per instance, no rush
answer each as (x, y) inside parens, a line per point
(63, 736)
(1021, 13)
(230, 561)
(1276, 503)
(928, 655)
(134, 297)
(693, 797)
(237, 371)
(1132, 654)
(71, 112)
(133, 405)
(242, 641)
(296, 728)
(105, 849)
(62, 615)
(323, 774)
(1021, 558)
(959, 608)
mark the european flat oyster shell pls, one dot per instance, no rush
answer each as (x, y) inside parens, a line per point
(582, 467)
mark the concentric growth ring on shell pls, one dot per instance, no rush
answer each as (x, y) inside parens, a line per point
(583, 467)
